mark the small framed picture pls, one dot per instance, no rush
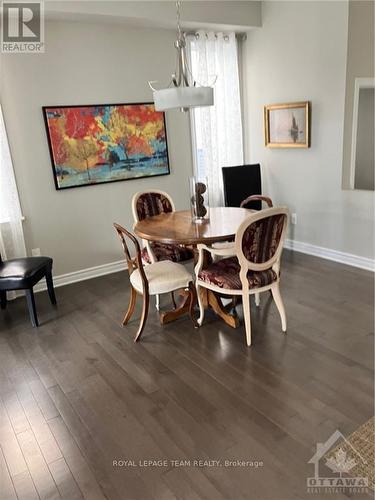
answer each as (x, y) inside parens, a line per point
(287, 125)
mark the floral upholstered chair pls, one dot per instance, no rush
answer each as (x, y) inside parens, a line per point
(254, 269)
(244, 204)
(148, 204)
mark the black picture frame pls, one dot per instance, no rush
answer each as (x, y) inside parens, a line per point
(94, 182)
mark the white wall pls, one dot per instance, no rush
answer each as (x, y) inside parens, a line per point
(83, 64)
(300, 54)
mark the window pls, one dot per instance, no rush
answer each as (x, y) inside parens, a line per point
(216, 130)
(12, 242)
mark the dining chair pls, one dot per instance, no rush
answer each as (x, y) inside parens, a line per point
(241, 181)
(254, 269)
(148, 204)
(246, 203)
(23, 274)
(153, 279)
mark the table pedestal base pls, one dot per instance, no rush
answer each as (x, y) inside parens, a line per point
(188, 301)
(182, 309)
(211, 300)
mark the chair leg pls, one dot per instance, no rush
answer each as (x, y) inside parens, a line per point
(234, 304)
(31, 306)
(3, 299)
(279, 304)
(145, 306)
(50, 288)
(257, 299)
(157, 302)
(173, 300)
(247, 317)
(192, 303)
(129, 312)
(201, 306)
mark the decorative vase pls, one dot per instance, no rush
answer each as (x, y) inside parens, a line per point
(199, 201)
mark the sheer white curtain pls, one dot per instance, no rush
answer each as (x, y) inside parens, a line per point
(12, 243)
(217, 130)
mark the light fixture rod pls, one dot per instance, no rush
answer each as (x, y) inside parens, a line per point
(182, 91)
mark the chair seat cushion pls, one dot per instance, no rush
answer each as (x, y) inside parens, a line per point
(225, 273)
(162, 277)
(23, 272)
(165, 251)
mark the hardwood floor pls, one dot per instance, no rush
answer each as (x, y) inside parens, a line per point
(78, 394)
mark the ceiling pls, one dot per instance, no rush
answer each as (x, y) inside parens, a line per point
(221, 15)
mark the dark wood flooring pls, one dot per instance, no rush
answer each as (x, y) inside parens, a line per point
(78, 394)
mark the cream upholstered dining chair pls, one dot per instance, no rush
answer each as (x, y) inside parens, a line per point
(254, 269)
(156, 278)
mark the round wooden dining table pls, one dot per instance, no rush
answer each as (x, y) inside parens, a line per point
(178, 228)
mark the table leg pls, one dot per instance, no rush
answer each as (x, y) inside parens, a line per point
(181, 310)
(211, 300)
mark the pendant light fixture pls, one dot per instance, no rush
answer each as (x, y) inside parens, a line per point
(183, 91)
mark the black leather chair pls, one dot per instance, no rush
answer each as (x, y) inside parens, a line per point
(241, 182)
(24, 274)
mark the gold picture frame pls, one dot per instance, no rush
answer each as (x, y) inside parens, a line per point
(287, 125)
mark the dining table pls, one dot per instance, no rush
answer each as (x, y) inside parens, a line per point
(179, 228)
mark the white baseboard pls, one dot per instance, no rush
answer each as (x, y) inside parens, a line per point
(329, 254)
(298, 246)
(83, 274)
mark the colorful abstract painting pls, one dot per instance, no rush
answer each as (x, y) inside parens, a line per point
(105, 143)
